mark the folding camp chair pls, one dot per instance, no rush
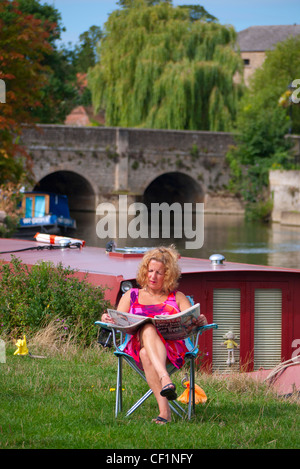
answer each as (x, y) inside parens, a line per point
(190, 356)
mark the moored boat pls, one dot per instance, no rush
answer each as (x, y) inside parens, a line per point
(259, 304)
(45, 212)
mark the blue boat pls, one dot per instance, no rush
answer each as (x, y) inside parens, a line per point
(47, 213)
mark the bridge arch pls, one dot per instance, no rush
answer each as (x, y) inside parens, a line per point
(80, 192)
(174, 187)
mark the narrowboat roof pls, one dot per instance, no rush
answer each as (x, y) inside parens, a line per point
(95, 260)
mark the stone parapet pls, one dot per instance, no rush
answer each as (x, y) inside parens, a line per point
(93, 164)
(285, 192)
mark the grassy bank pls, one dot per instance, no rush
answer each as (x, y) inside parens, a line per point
(64, 401)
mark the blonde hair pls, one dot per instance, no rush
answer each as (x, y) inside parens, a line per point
(169, 257)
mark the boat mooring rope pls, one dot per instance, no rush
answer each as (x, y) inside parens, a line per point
(49, 247)
(282, 366)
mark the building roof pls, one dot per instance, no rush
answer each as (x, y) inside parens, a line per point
(83, 116)
(78, 116)
(262, 38)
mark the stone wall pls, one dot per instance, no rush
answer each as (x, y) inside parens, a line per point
(285, 192)
(85, 151)
(199, 155)
(224, 204)
(108, 161)
(256, 59)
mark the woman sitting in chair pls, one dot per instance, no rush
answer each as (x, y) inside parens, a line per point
(158, 276)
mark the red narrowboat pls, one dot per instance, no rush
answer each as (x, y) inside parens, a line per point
(258, 304)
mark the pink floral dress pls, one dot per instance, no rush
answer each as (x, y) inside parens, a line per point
(176, 349)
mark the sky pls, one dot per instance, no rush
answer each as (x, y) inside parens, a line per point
(79, 15)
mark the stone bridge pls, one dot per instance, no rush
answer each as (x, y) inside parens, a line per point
(96, 164)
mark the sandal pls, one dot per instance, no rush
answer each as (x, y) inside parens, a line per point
(160, 420)
(169, 391)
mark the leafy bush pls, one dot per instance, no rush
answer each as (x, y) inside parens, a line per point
(31, 298)
(265, 116)
(260, 146)
(10, 204)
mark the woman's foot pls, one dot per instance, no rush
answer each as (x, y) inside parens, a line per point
(160, 420)
(169, 391)
(168, 388)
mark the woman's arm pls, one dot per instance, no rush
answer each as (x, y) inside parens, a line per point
(124, 306)
(184, 303)
(124, 303)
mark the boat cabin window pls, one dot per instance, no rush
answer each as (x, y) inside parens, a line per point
(28, 207)
(267, 327)
(265, 306)
(226, 313)
(36, 205)
(40, 206)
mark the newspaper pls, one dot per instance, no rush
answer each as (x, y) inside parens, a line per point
(177, 326)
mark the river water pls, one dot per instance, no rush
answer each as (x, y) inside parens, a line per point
(230, 235)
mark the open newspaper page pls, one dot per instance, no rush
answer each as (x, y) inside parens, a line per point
(127, 322)
(177, 326)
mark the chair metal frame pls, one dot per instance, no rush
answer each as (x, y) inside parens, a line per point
(190, 356)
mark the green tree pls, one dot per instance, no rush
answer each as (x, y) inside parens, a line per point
(260, 145)
(48, 15)
(198, 12)
(84, 56)
(23, 45)
(60, 92)
(160, 68)
(272, 80)
(262, 125)
(85, 52)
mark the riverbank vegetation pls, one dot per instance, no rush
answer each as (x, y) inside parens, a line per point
(126, 70)
(10, 208)
(266, 116)
(31, 297)
(66, 400)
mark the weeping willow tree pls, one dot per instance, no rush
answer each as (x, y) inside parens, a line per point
(160, 68)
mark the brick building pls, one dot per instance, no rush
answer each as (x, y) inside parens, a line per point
(256, 40)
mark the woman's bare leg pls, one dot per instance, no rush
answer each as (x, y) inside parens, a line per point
(156, 352)
(154, 359)
(154, 383)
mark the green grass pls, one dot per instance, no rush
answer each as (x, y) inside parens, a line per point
(65, 402)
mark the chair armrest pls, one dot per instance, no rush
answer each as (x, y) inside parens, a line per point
(200, 331)
(103, 325)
